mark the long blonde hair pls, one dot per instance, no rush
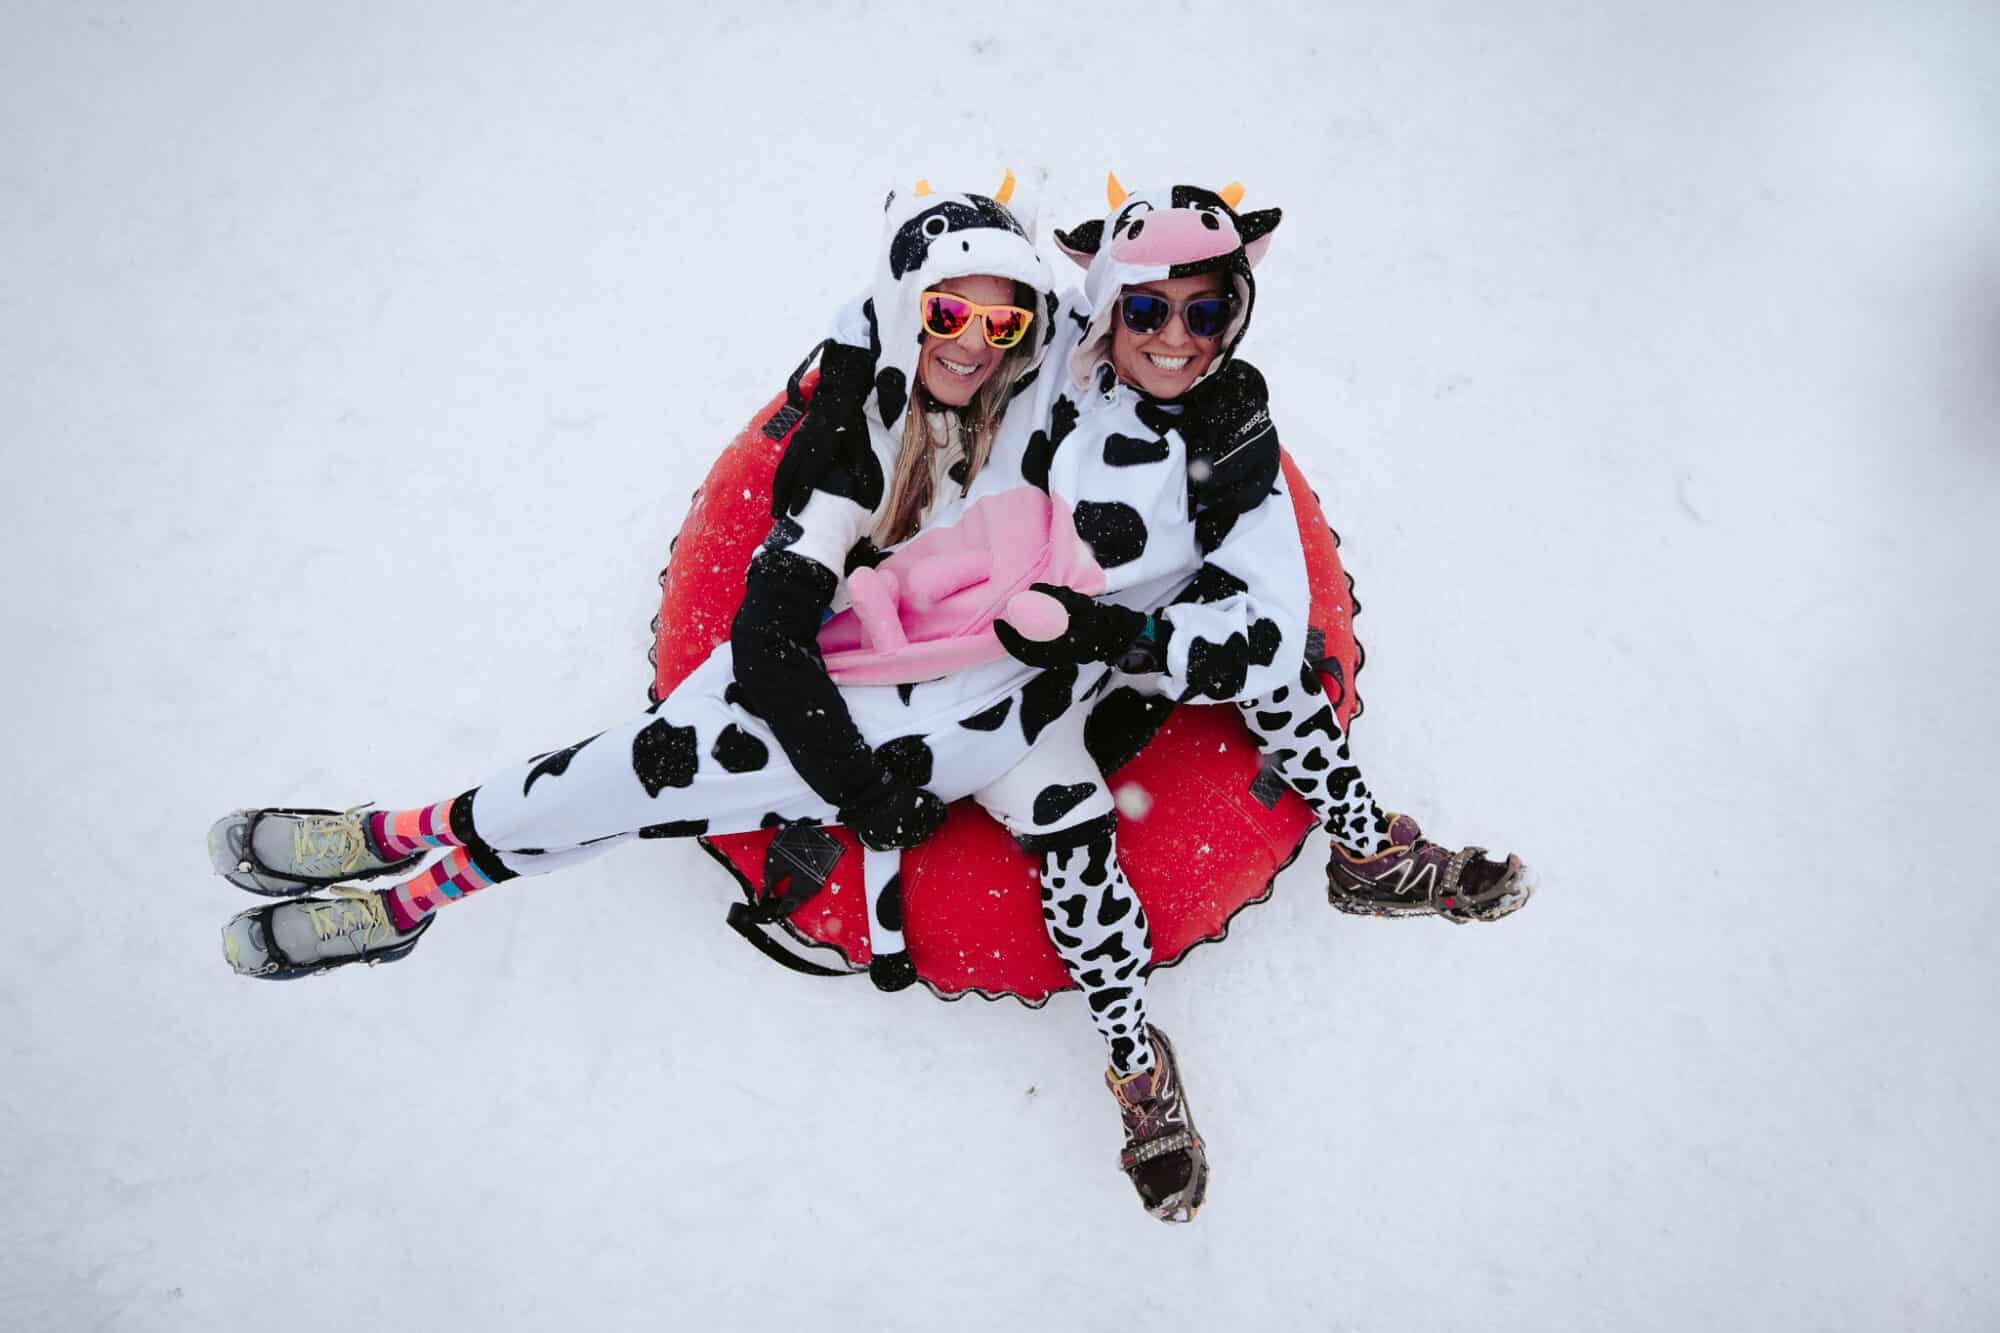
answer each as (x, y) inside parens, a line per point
(909, 488)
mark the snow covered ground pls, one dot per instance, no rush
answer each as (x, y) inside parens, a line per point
(356, 363)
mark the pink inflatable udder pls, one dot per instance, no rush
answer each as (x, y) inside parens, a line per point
(928, 610)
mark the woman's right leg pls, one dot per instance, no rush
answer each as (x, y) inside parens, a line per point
(691, 764)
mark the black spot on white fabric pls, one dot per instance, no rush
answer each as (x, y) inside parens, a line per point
(1131, 451)
(1042, 445)
(1211, 583)
(772, 819)
(738, 751)
(1064, 941)
(889, 903)
(1157, 417)
(890, 394)
(1122, 1049)
(908, 757)
(1072, 909)
(554, 765)
(1217, 670)
(1114, 529)
(1100, 1000)
(1265, 637)
(1268, 722)
(1056, 800)
(732, 694)
(1113, 908)
(1211, 526)
(676, 828)
(1046, 698)
(989, 719)
(1314, 760)
(1321, 721)
(663, 755)
(1121, 724)
(1099, 869)
(903, 693)
(1309, 680)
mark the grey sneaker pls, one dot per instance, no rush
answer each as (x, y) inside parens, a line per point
(281, 853)
(307, 936)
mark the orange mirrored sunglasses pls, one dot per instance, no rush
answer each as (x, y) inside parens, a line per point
(946, 315)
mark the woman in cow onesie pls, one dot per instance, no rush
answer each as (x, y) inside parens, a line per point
(906, 415)
(1154, 389)
(1160, 444)
(759, 734)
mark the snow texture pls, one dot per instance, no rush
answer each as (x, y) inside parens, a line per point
(356, 361)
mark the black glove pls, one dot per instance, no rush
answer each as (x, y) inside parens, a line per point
(1232, 445)
(835, 428)
(1097, 632)
(893, 814)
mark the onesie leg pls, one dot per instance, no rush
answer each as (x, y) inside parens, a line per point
(1296, 728)
(1057, 807)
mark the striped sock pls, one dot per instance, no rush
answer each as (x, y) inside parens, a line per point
(451, 877)
(400, 833)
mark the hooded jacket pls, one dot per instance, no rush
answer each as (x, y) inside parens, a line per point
(792, 582)
(1201, 535)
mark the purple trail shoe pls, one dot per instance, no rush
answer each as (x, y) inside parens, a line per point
(1163, 1153)
(1416, 877)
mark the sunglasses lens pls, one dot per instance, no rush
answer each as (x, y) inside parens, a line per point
(1143, 313)
(1005, 325)
(1208, 317)
(945, 315)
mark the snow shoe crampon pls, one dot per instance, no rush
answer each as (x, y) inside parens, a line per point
(1416, 877)
(307, 936)
(281, 853)
(1163, 1153)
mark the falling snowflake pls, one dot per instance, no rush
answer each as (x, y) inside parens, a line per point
(1133, 801)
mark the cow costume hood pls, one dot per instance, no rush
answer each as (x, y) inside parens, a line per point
(928, 238)
(1175, 231)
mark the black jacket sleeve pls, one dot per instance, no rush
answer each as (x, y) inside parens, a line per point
(775, 646)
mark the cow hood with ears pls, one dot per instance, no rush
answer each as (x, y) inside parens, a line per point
(927, 238)
(1173, 231)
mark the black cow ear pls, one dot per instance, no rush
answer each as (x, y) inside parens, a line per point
(1255, 229)
(1081, 241)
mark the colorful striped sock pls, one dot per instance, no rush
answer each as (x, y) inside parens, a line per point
(451, 877)
(400, 833)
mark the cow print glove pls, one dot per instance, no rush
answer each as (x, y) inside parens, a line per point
(1097, 632)
(835, 428)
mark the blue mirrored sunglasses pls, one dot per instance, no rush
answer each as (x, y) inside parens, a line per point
(1205, 316)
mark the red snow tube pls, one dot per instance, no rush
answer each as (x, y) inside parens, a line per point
(1199, 835)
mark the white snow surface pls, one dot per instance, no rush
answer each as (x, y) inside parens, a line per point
(357, 361)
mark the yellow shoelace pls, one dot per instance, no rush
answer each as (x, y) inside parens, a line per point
(330, 845)
(350, 913)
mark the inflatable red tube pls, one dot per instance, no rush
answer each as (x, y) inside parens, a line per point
(1195, 834)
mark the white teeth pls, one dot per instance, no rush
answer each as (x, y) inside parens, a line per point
(1168, 362)
(956, 368)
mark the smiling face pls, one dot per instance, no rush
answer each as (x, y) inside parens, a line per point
(1167, 363)
(954, 369)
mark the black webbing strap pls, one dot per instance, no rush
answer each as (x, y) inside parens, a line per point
(781, 422)
(797, 865)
